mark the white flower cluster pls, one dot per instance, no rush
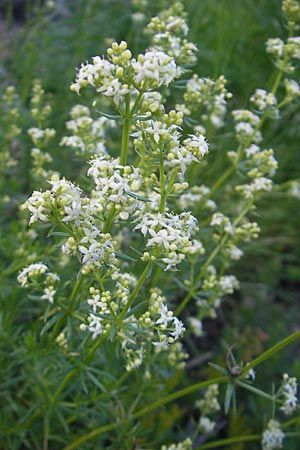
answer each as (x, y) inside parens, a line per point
(64, 204)
(246, 123)
(289, 393)
(259, 164)
(88, 135)
(197, 196)
(169, 30)
(292, 90)
(208, 406)
(120, 74)
(38, 277)
(208, 97)
(284, 52)
(213, 288)
(9, 127)
(185, 445)
(258, 186)
(294, 189)
(113, 184)
(193, 149)
(231, 235)
(265, 102)
(169, 236)
(157, 324)
(272, 438)
(41, 135)
(154, 69)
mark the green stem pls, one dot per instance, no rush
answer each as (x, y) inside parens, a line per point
(229, 441)
(253, 389)
(136, 103)
(163, 193)
(178, 394)
(147, 409)
(125, 132)
(109, 219)
(272, 351)
(75, 291)
(91, 435)
(135, 292)
(219, 39)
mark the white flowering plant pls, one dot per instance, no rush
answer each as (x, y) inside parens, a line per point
(126, 259)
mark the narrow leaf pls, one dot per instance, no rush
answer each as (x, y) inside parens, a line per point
(228, 397)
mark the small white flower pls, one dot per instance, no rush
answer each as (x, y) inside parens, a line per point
(179, 328)
(49, 293)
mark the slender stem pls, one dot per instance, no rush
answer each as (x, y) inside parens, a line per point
(91, 435)
(272, 351)
(136, 103)
(109, 219)
(125, 132)
(253, 389)
(147, 409)
(219, 39)
(135, 292)
(74, 291)
(162, 182)
(178, 394)
(229, 441)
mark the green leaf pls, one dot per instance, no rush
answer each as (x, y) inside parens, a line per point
(110, 116)
(137, 197)
(95, 381)
(125, 257)
(228, 397)
(52, 321)
(58, 233)
(219, 368)
(69, 329)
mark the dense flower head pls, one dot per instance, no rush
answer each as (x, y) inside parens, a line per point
(185, 445)
(171, 235)
(154, 69)
(207, 97)
(257, 187)
(284, 53)
(265, 102)
(38, 277)
(197, 195)
(115, 183)
(291, 10)
(169, 30)
(272, 438)
(157, 323)
(289, 394)
(88, 134)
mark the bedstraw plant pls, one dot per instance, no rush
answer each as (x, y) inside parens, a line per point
(123, 264)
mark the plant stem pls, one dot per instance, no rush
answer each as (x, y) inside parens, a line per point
(254, 390)
(229, 441)
(109, 219)
(272, 351)
(162, 183)
(147, 409)
(125, 132)
(135, 292)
